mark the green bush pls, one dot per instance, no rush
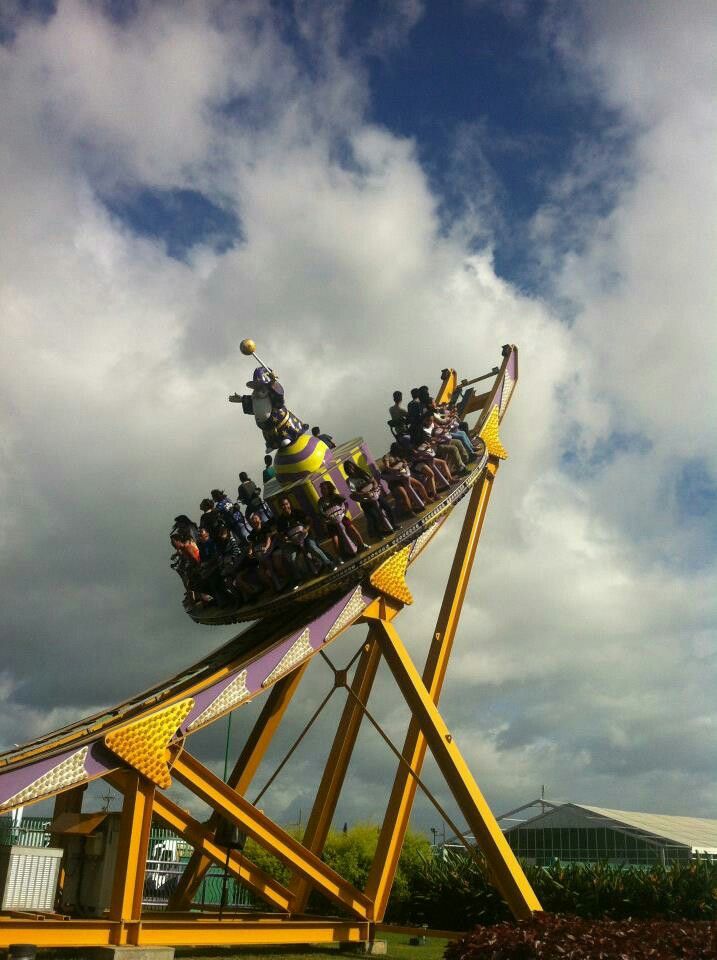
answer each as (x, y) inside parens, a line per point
(455, 893)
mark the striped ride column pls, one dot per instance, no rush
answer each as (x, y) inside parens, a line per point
(304, 456)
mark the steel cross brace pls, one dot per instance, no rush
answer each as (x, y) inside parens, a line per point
(506, 871)
(209, 788)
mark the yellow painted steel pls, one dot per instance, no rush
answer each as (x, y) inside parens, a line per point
(202, 839)
(250, 932)
(398, 812)
(135, 824)
(150, 932)
(390, 577)
(143, 744)
(284, 847)
(447, 387)
(506, 871)
(489, 433)
(337, 763)
(241, 776)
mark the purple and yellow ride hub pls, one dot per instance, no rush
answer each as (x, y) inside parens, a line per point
(304, 490)
(306, 455)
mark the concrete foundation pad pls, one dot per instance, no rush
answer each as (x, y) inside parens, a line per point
(127, 953)
(375, 948)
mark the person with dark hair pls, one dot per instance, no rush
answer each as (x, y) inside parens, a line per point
(420, 470)
(229, 555)
(224, 506)
(184, 527)
(414, 409)
(424, 455)
(397, 413)
(427, 401)
(264, 542)
(366, 491)
(210, 517)
(247, 488)
(344, 533)
(447, 418)
(406, 489)
(185, 562)
(268, 472)
(295, 527)
(240, 526)
(451, 450)
(325, 437)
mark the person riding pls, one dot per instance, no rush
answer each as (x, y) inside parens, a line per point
(264, 542)
(450, 449)
(295, 527)
(326, 437)
(367, 492)
(406, 489)
(397, 413)
(344, 533)
(268, 472)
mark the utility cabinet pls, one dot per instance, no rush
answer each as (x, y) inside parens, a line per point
(28, 877)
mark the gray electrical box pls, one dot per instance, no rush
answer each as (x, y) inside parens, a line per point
(28, 877)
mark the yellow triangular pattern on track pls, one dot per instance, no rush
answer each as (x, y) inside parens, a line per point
(390, 577)
(489, 434)
(143, 744)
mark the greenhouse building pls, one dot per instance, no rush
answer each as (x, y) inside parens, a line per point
(572, 832)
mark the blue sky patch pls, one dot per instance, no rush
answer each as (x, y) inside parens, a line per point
(181, 219)
(580, 461)
(484, 89)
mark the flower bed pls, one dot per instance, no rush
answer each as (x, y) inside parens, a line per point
(557, 937)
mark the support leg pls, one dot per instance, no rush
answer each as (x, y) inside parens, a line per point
(209, 788)
(241, 776)
(395, 825)
(506, 871)
(128, 886)
(322, 812)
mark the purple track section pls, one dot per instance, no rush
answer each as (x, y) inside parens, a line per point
(260, 668)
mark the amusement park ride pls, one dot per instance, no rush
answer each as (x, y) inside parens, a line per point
(142, 745)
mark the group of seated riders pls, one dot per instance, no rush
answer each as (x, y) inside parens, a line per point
(244, 547)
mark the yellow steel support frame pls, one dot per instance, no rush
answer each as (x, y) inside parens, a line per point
(125, 924)
(322, 812)
(398, 812)
(209, 788)
(241, 776)
(128, 884)
(202, 839)
(506, 871)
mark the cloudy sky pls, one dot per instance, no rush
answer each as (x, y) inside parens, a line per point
(373, 191)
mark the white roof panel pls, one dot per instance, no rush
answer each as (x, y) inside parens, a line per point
(698, 833)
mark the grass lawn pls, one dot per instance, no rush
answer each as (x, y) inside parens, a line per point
(397, 947)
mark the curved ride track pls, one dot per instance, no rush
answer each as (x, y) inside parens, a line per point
(143, 738)
(292, 629)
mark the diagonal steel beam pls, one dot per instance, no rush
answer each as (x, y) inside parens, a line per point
(241, 776)
(337, 763)
(398, 812)
(505, 870)
(202, 838)
(212, 790)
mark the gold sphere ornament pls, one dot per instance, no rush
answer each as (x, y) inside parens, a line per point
(247, 347)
